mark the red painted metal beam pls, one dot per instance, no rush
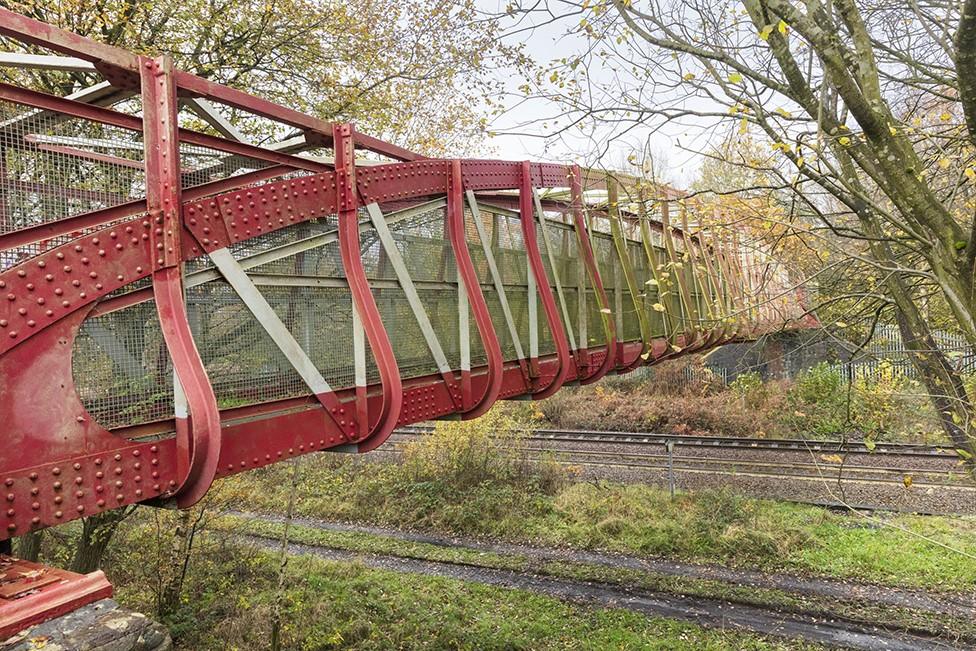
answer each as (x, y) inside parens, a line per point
(586, 248)
(192, 85)
(85, 221)
(197, 441)
(28, 30)
(37, 99)
(472, 284)
(347, 198)
(556, 327)
(31, 593)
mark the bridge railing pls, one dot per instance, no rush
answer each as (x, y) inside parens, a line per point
(180, 304)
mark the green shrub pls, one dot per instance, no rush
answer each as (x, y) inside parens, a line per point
(750, 389)
(817, 404)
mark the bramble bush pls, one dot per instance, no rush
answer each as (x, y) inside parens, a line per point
(461, 455)
(820, 403)
(817, 404)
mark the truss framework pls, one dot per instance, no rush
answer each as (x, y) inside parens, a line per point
(182, 305)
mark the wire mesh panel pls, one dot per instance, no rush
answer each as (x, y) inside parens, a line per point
(53, 167)
(508, 247)
(567, 264)
(122, 370)
(429, 261)
(605, 257)
(492, 298)
(123, 373)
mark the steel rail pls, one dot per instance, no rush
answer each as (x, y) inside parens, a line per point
(782, 445)
(826, 470)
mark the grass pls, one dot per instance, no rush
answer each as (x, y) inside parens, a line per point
(819, 606)
(708, 526)
(332, 605)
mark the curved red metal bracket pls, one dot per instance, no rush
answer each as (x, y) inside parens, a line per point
(362, 296)
(529, 237)
(197, 441)
(589, 259)
(472, 284)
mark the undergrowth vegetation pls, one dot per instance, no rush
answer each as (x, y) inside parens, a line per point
(475, 479)
(681, 397)
(472, 479)
(345, 605)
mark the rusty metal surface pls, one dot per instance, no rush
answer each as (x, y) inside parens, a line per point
(109, 214)
(31, 593)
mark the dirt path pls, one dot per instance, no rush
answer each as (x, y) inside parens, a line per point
(956, 605)
(713, 613)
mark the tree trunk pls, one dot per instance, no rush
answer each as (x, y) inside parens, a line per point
(172, 586)
(96, 534)
(283, 560)
(944, 385)
(29, 545)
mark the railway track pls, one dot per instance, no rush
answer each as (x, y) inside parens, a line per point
(684, 440)
(896, 476)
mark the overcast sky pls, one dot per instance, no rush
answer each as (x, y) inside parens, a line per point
(551, 42)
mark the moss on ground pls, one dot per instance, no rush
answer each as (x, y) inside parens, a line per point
(707, 526)
(344, 605)
(850, 609)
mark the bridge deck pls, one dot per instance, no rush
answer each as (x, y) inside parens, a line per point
(180, 304)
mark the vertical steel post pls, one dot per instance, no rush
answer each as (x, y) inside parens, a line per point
(469, 287)
(198, 443)
(538, 271)
(347, 196)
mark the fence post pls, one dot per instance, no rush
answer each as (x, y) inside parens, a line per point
(669, 446)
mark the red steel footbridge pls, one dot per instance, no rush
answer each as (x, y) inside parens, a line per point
(179, 303)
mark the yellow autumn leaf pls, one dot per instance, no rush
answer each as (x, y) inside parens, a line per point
(946, 116)
(944, 163)
(766, 31)
(783, 27)
(908, 481)
(844, 140)
(832, 458)
(970, 173)
(688, 76)
(735, 77)
(743, 126)
(782, 111)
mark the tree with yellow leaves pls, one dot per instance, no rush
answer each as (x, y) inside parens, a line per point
(408, 71)
(867, 111)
